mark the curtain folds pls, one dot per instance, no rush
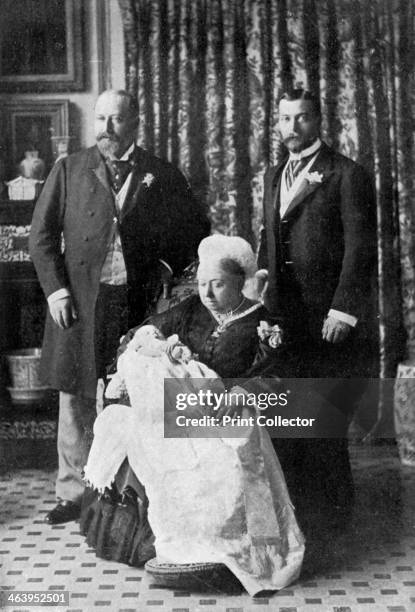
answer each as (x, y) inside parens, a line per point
(208, 75)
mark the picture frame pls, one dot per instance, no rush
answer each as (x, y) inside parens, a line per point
(41, 46)
(32, 124)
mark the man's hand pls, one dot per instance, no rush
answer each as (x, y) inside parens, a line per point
(335, 331)
(63, 312)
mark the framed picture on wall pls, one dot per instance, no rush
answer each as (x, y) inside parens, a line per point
(41, 46)
(32, 125)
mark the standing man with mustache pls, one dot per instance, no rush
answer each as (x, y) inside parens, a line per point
(128, 221)
(319, 248)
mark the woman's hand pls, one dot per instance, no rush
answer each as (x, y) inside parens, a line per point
(234, 403)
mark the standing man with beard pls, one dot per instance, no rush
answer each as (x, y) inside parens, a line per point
(128, 221)
(319, 248)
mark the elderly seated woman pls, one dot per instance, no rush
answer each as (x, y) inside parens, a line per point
(218, 499)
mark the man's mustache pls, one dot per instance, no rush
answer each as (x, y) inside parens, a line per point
(112, 137)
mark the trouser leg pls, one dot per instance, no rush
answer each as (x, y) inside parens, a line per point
(318, 476)
(111, 322)
(77, 413)
(290, 454)
(76, 419)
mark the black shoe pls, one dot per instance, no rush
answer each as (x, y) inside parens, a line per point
(63, 512)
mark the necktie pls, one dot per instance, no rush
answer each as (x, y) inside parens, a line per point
(119, 170)
(294, 167)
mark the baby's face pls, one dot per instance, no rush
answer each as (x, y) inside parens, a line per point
(157, 333)
(144, 336)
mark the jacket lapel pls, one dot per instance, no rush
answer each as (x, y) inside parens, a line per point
(140, 184)
(136, 189)
(96, 166)
(322, 170)
(98, 175)
(272, 196)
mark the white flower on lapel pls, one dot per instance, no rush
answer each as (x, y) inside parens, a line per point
(148, 179)
(313, 177)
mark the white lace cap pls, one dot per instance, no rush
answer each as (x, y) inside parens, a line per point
(218, 247)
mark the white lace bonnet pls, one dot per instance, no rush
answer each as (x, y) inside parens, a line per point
(218, 246)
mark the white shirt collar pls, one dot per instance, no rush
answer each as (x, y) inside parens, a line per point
(306, 152)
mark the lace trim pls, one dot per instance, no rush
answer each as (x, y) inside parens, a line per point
(222, 326)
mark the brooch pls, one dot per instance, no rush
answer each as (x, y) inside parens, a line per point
(219, 330)
(272, 333)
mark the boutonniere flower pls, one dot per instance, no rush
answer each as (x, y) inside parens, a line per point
(313, 177)
(272, 333)
(148, 179)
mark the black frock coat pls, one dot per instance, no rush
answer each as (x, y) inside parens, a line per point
(159, 220)
(322, 255)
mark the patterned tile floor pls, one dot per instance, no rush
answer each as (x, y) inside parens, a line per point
(370, 568)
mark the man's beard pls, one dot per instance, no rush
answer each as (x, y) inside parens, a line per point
(109, 145)
(296, 143)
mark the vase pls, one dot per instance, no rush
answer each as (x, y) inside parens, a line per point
(32, 166)
(404, 412)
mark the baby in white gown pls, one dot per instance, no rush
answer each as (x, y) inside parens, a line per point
(220, 500)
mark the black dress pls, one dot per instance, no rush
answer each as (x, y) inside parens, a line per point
(115, 524)
(317, 472)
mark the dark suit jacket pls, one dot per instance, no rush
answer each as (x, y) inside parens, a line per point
(322, 253)
(159, 221)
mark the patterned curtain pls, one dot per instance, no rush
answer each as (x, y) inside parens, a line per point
(208, 75)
